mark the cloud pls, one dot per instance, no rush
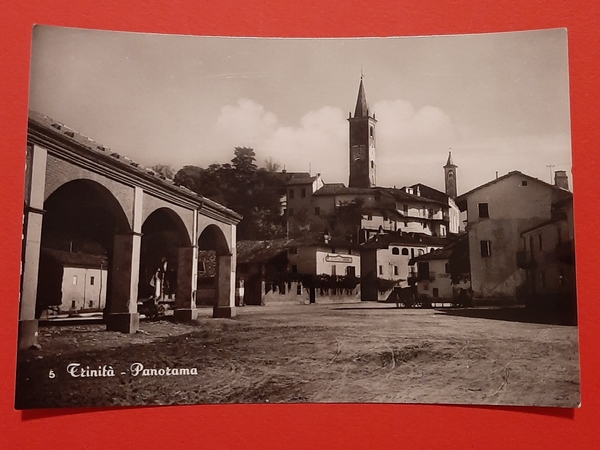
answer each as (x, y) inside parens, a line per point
(320, 139)
(246, 122)
(412, 144)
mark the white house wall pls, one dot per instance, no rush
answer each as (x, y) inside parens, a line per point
(80, 291)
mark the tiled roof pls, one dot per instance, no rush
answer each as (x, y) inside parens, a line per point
(458, 244)
(300, 178)
(72, 259)
(399, 194)
(417, 239)
(341, 189)
(249, 252)
(115, 158)
(464, 196)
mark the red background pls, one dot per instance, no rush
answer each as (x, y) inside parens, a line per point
(303, 426)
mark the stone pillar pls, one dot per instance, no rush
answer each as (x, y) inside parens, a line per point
(32, 221)
(225, 304)
(186, 292)
(125, 274)
(187, 278)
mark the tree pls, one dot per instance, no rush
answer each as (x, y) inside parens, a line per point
(344, 222)
(164, 170)
(254, 193)
(271, 165)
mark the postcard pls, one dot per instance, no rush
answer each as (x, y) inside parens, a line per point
(247, 220)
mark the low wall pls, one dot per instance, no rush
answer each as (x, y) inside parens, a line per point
(296, 294)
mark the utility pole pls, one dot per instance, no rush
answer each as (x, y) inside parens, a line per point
(550, 166)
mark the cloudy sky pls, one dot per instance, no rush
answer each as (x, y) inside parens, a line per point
(499, 101)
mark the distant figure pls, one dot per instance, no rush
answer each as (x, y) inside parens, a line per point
(239, 293)
(158, 279)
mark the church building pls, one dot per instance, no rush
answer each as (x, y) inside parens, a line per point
(316, 207)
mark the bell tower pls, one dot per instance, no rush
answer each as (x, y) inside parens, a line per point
(450, 176)
(362, 143)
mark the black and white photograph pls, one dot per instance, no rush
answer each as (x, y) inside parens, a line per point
(213, 220)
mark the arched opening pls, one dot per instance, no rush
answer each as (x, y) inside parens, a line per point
(163, 237)
(216, 274)
(80, 222)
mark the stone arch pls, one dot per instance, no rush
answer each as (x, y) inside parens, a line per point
(79, 226)
(212, 238)
(60, 173)
(212, 241)
(164, 235)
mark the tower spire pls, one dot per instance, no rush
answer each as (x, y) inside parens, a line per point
(450, 176)
(362, 143)
(362, 108)
(450, 162)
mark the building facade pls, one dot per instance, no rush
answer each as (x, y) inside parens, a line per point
(548, 258)
(497, 213)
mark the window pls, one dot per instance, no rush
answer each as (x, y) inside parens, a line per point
(486, 248)
(333, 270)
(317, 211)
(524, 183)
(351, 271)
(298, 289)
(412, 252)
(405, 209)
(540, 241)
(371, 131)
(531, 245)
(447, 267)
(385, 216)
(405, 251)
(380, 270)
(395, 270)
(74, 280)
(372, 164)
(303, 193)
(291, 194)
(369, 216)
(395, 251)
(91, 281)
(436, 292)
(484, 212)
(201, 267)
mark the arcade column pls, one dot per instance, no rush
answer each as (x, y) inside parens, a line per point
(186, 289)
(32, 236)
(225, 303)
(124, 275)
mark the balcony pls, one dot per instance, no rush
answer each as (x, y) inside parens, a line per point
(525, 260)
(565, 252)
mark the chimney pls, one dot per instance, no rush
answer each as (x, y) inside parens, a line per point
(561, 179)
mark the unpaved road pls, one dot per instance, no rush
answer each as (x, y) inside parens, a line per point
(309, 353)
